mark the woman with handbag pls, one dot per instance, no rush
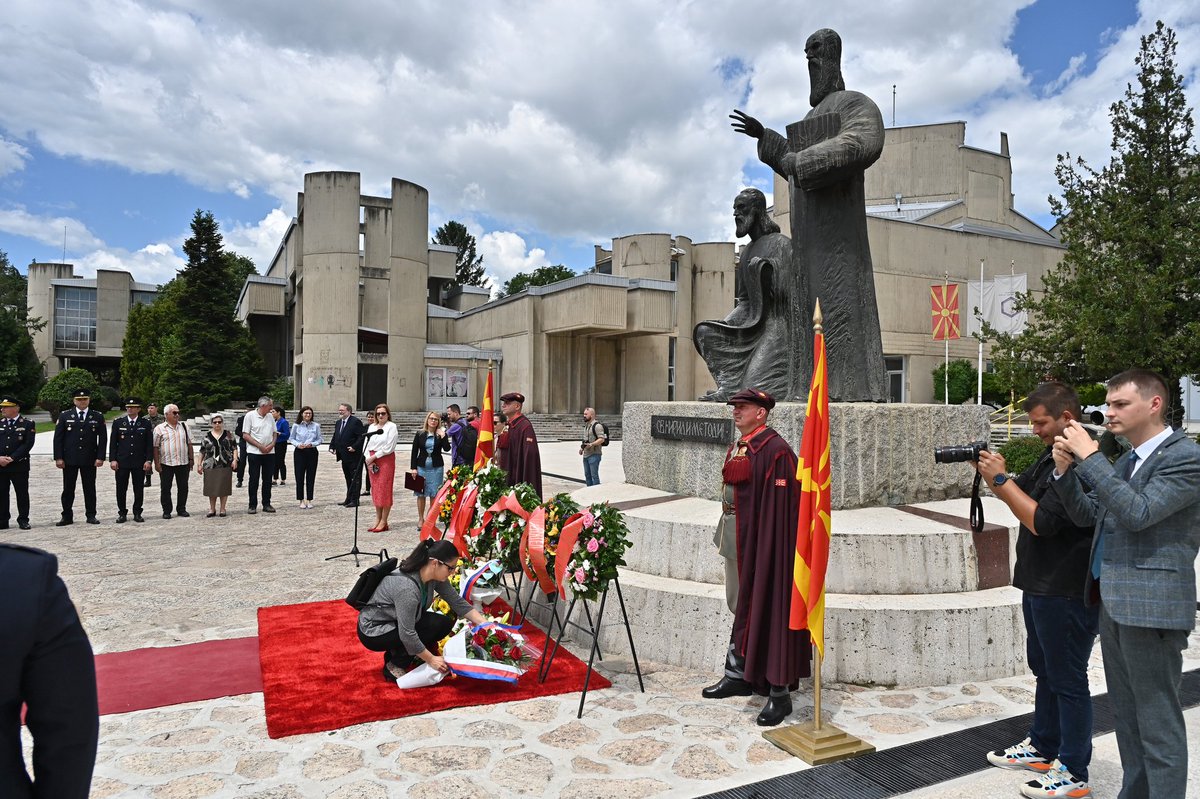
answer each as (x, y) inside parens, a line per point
(218, 460)
(397, 620)
(381, 465)
(426, 461)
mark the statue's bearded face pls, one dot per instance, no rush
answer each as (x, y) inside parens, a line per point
(744, 216)
(824, 51)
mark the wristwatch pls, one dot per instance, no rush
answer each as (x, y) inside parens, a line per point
(1000, 480)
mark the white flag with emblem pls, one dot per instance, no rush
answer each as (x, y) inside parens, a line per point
(997, 305)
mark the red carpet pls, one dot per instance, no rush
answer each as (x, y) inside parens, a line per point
(316, 675)
(155, 677)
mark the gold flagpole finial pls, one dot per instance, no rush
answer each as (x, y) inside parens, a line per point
(818, 319)
(490, 362)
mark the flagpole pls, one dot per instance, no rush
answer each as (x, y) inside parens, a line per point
(946, 342)
(818, 329)
(979, 373)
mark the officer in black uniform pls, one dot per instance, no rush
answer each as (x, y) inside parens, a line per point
(154, 419)
(16, 439)
(46, 663)
(79, 439)
(237, 433)
(131, 454)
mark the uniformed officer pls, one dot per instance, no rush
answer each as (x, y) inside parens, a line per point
(46, 664)
(154, 419)
(16, 439)
(131, 453)
(79, 439)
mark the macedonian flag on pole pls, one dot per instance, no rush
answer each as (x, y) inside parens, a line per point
(813, 524)
(486, 446)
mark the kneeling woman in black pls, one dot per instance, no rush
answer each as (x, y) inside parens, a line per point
(397, 620)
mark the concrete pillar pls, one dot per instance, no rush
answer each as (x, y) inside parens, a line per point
(329, 293)
(112, 311)
(685, 350)
(407, 285)
(712, 298)
(40, 299)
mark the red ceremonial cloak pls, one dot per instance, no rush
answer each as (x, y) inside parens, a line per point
(767, 506)
(520, 456)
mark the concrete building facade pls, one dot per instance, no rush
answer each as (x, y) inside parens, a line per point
(85, 318)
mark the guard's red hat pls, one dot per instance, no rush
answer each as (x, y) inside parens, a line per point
(754, 396)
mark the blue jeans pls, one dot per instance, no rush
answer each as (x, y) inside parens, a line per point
(1061, 632)
(591, 469)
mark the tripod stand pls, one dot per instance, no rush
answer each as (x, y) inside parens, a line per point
(358, 473)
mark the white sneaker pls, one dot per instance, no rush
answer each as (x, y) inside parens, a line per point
(1057, 782)
(1020, 756)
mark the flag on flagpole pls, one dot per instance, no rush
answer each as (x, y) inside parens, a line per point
(946, 323)
(485, 447)
(813, 523)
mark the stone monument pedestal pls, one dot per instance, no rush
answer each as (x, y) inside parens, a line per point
(913, 596)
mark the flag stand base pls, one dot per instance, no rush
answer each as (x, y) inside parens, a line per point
(816, 746)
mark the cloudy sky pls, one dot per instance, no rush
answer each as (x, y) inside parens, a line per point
(545, 127)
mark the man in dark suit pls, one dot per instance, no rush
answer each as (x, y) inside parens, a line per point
(79, 439)
(46, 664)
(1146, 509)
(16, 440)
(131, 453)
(237, 433)
(346, 445)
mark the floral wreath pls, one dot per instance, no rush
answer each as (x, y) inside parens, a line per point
(599, 550)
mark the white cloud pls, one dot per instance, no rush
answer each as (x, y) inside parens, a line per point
(12, 156)
(49, 230)
(258, 241)
(505, 253)
(582, 121)
(155, 263)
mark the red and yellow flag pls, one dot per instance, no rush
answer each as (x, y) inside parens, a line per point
(486, 446)
(813, 524)
(945, 312)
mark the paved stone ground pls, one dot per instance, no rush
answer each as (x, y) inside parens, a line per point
(186, 580)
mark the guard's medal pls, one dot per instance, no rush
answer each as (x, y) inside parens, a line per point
(737, 468)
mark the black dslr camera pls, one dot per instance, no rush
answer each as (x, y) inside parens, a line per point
(959, 454)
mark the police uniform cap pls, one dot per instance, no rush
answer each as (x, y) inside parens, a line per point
(513, 396)
(80, 393)
(753, 396)
(133, 402)
(9, 402)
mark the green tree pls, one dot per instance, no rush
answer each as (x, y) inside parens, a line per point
(1126, 291)
(542, 276)
(469, 266)
(56, 395)
(962, 382)
(20, 369)
(188, 347)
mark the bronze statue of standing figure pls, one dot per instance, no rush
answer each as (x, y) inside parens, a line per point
(823, 158)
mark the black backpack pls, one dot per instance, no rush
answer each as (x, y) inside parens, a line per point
(603, 432)
(364, 588)
(466, 447)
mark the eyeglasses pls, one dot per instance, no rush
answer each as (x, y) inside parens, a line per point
(216, 421)
(447, 565)
(173, 413)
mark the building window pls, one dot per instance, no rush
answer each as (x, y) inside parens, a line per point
(142, 298)
(671, 368)
(674, 269)
(75, 318)
(894, 366)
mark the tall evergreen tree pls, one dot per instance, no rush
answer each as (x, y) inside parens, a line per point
(203, 355)
(20, 369)
(1126, 291)
(469, 266)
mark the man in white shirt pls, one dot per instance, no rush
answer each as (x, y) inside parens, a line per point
(258, 431)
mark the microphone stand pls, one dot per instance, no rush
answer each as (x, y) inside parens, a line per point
(358, 472)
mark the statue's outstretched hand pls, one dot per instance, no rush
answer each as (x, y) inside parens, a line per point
(744, 123)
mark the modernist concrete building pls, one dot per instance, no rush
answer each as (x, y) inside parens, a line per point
(359, 307)
(85, 318)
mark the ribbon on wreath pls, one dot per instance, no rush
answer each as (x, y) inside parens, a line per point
(508, 502)
(429, 528)
(482, 572)
(533, 551)
(571, 530)
(462, 516)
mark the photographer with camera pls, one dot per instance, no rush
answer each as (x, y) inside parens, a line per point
(1052, 564)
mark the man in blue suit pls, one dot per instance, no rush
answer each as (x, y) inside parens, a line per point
(1146, 509)
(46, 664)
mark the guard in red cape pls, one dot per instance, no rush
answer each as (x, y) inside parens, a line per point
(764, 656)
(519, 453)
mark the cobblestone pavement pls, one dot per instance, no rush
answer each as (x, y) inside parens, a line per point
(181, 581)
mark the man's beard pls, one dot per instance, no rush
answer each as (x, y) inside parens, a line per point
(825, 78)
